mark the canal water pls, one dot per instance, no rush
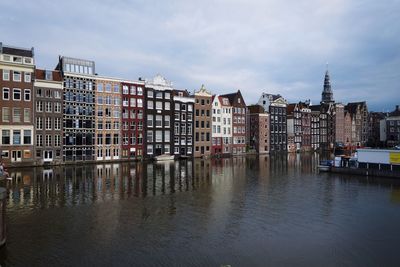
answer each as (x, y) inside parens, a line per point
(241, 211)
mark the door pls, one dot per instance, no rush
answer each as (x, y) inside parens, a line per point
(48, 155)
(158, 150)
(16, 156)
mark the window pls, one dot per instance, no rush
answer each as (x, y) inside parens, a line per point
(57, 140)
(27, 114)
(99, 87)
(140, 91)
(150, 94)
(16, 94)
(39, 140)
(6, 93)
(177, 106)
(16, 76)
(140, 103)
(133, 102)
(167, 106)
(167, 119)
(16, 115)
(16, 137)
(116, 88)
(5, 137)
(27, 137)
(48, 107)
(108, 88)
(150, 104)
(158, 94)
(57, 124)
(167, 95)
(125, 89)
(27, 77)
(150, 136)
(149, 149)
(167, 136)
(158, 121)
(149, 120)
(158, 105)
(48, 124)
(57, 94)
(158, 136)
(48, 140)
(6, 75)
(133, 90)
(57, 107)
(39, 123)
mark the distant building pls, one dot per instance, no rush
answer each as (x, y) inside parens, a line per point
(183, 124)
(160, 115)
(108, 118)
(315, 117)
(221, 126)
(79, 108)
(258, 129)
(276, 105)
(133, 120)
(359, 120)
(339, 123)
(238, 122)
(16, 104)
(48, 114)
(203, 122)
(299, 126)
(391, 128)
(374, 119)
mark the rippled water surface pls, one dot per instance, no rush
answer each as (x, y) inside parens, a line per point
(242, 211)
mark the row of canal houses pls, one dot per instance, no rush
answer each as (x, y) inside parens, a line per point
(72, 114)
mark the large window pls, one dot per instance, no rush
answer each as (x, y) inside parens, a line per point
(150, 104)
(158, 121)
(158, 136)
(27, 137)
(6, 93)
(149, 136)
(149, 120)
(16, 115)
(167, 119)
(27, 77)
(158, 105)
(17, 94)
(27, 114)
(16, 137)
(6, 75)
(16, 76)
(5, 137)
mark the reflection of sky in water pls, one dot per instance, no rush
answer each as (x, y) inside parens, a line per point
(267, 210)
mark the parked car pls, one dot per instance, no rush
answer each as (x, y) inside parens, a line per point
(397, 147)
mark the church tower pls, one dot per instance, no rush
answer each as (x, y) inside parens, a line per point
(327, 95)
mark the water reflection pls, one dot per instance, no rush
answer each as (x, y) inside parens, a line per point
(239, 211)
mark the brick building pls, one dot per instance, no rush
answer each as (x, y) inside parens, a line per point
(203, 121)
(257, 129)
(16, 104)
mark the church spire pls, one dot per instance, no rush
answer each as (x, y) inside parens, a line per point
(327, 95)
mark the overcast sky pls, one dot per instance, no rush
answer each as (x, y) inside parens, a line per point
(255, 46)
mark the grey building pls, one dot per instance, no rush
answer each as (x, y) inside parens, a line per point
(48, 114)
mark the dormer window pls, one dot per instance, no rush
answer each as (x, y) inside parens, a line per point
(49, 75)
(27, 60)
(17, 59)
(238, 100)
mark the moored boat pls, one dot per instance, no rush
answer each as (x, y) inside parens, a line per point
(164, 157)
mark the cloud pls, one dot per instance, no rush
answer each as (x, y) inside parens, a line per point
(255, 46)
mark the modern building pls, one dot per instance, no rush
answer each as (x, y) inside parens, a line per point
(133, 119)
(16, 105)
(79, 109)
(257, 129)
(222, 131)
(48, 116)
(203, 121)
(238, 122)
(108, 119)
(183, 124)
(276, 105)
(159, 114)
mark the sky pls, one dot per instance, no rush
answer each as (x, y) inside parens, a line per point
(279, 47)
